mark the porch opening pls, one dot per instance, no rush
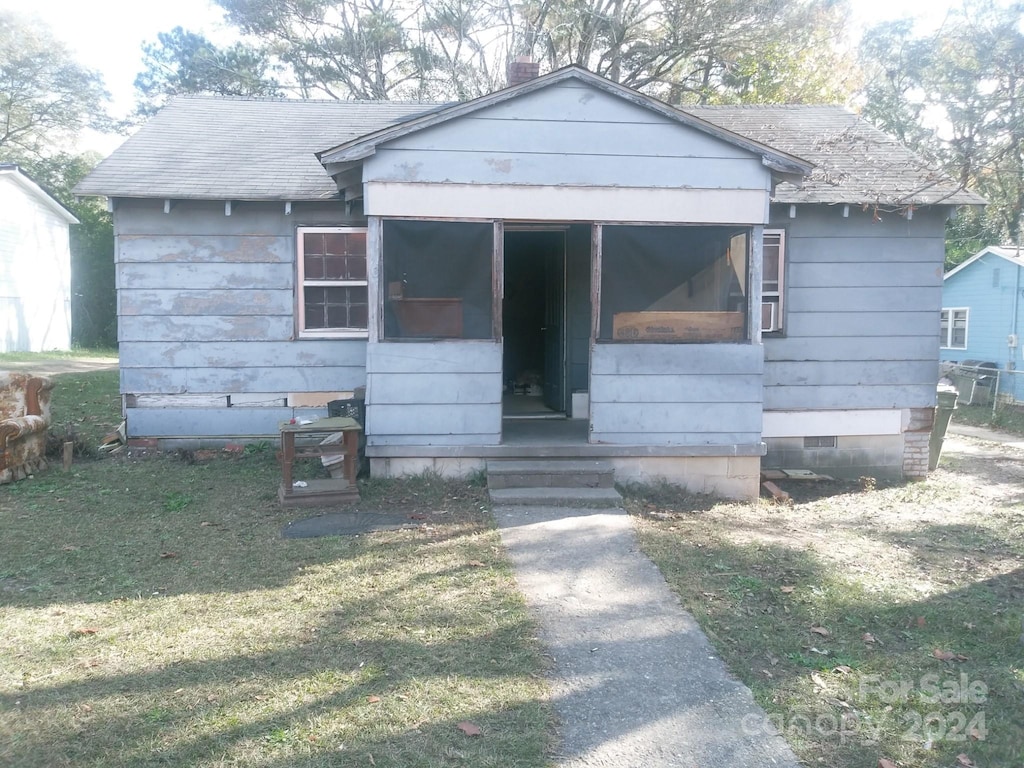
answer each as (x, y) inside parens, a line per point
(534, 324)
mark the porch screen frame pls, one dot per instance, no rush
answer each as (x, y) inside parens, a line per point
(755, 238)
(378, 287)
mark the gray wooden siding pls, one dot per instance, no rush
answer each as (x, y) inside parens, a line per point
(861, 314)
(571, 135)
(433, 393)
(206, 307)
(676, 394)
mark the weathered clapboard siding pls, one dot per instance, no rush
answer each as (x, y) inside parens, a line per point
(206, 422)
(550, 169)
(205, 327)
(860, 324)
(862, 373)
(155, 276)
(348, 353)
(861, 314)
(240, 380)
(187, 301)
(196, 219)
(433, 393)
(206, 305)
(205, 249)
(567, 152)
(676, 394)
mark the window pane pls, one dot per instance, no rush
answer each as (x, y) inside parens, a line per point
(438, 279)
(336, 307)
(675, 284)
(334, 255)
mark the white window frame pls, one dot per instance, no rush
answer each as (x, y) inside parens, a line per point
(778, 295)
(949, 314)
(302, 284)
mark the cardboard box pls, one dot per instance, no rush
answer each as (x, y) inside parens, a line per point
(678, 326)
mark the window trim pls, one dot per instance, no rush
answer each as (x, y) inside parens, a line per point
(779, 295)
(301, 284)
(946, 342)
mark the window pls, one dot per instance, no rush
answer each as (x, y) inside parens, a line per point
(333, 295)
(953, 325)
(773, 250)
(674, 284)
(438, 276)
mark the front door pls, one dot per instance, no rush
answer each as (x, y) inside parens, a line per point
(533, 324)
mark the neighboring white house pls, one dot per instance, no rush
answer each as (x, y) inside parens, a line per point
(35, 266)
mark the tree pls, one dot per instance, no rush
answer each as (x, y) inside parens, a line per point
(186, 62)
(680, 50)
(958, 96)
(46, 98)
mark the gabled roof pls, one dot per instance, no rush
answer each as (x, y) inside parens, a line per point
(854, 162)
(1011, 253)
(217, 148)
(224, 148)
(44, 198)
(364, 146)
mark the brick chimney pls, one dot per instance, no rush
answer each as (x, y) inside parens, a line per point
(522, 69)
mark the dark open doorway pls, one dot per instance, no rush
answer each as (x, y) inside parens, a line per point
(534, 324)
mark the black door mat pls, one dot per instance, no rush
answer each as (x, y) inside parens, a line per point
(347, 524)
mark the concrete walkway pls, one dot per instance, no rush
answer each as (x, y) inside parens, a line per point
(635, 681)
(988, 435)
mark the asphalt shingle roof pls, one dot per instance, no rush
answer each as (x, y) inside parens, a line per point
(205, 147)
(200, 147)
(854, 161)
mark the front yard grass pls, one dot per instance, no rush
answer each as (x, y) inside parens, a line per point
(870, 621)
(153, 615)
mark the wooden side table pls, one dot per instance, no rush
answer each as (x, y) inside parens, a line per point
(303, 441)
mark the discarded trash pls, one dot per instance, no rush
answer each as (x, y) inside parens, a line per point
(299, 484)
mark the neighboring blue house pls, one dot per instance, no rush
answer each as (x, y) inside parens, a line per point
(983, 312)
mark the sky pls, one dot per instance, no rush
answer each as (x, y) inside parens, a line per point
(107, 35)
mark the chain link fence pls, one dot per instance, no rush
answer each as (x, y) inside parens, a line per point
(993, 394)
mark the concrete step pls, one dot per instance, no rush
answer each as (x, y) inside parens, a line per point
(602, 498)
(558, 473)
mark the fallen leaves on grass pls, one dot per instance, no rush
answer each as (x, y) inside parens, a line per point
(469, 728)
(477, 564)
(84, 631)
(787, 590)
(168, 555)
(821, 631)
(373, 699)
(963, 759)
(884, 762)
(867, 637)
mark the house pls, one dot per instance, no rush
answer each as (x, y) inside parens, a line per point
(705, 292)
(35, 266)
(981, 319)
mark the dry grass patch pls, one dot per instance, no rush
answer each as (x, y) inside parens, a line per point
(870, 620)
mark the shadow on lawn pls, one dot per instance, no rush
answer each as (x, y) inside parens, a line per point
(123, 528)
